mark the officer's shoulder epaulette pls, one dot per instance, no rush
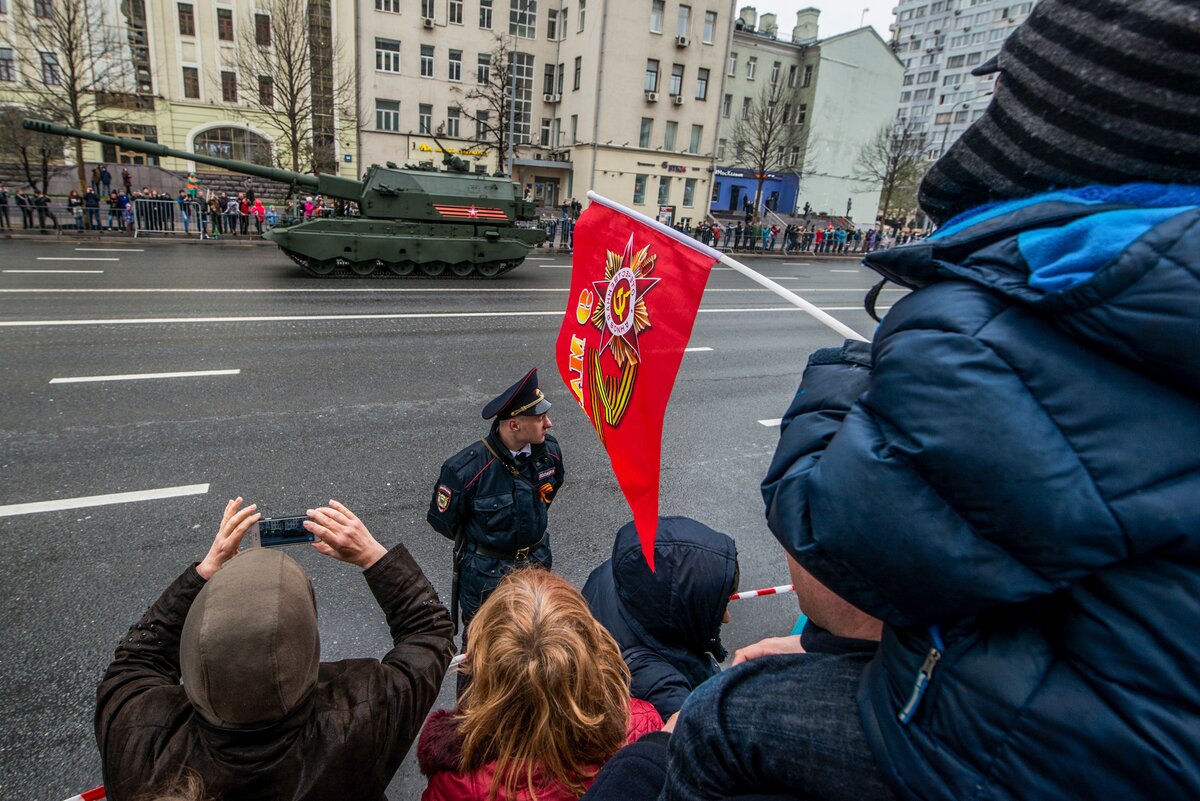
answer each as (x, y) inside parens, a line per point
(471, 456)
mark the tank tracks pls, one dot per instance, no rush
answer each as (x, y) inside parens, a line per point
(341, 268)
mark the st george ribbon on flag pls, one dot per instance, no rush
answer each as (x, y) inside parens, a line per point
(635, 290)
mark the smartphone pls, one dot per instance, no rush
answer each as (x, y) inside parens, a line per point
(271, 532)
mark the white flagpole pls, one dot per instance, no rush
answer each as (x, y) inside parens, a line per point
(723, 258)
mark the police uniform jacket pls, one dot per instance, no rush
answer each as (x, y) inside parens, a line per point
(498, 514)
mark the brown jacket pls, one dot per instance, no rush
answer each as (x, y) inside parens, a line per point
(344, 741)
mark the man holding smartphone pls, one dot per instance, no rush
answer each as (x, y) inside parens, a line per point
(493, 497)
(258, 715)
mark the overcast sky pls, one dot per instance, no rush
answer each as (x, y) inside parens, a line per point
(837, 16)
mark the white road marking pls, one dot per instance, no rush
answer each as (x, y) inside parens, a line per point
(102, 500)
(83, 379)
(113, 250)
(797, 264)
(78, 258)
(843, 271)
(697, 350)
(60, 272)
(771, 423)
(782, 277)
(539, 258)
(398, 316)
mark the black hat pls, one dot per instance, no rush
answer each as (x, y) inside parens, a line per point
(523, 397)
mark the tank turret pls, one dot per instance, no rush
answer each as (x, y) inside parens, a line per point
(412, 222)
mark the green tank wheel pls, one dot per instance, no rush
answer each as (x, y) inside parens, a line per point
(462, 268)
(490, 269)
(400, 268)
(433, 268)
(362, 268)
(321, 266)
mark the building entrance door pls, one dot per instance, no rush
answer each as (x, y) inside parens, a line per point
(735, 197)
(545, 192)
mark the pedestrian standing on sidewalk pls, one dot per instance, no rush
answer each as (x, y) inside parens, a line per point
(127, 181)
(105, 180)
(4, 221)
(91, 208)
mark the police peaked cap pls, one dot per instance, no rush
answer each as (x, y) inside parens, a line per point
(523, 397)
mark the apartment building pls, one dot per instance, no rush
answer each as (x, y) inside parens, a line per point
(617, 97)
(940, 42)
(834, 95)
(174, 73)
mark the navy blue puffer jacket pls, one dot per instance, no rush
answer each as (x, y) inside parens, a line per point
(1009, 477)
(667, 621)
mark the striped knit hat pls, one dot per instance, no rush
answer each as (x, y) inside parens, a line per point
(1090, 92)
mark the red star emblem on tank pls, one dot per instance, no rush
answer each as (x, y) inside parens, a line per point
(623, 314)
(474, 212)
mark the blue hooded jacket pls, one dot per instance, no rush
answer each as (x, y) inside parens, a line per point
(1009, 477)
(667, 622)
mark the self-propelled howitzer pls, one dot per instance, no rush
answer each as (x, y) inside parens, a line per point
(411, 221)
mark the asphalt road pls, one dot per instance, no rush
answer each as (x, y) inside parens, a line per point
(345, 389)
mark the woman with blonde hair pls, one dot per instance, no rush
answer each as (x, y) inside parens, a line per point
(547, 706)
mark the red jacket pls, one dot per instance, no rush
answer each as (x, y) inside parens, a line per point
(440, 749)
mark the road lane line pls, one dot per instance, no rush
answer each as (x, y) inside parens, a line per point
(797, 264)
(771, 423)
(293, 318)
(843, 271)
(78, 258)
(83, 379)
(60, 272)
(539, 258)
(112, 250)
(697, 350)
(102, 500)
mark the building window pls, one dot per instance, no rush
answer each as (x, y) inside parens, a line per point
(485, 14)
(187, 19)
(43, 9)
(697, 135)
(727, 106)
(229, 87)
(639, 189)
(732, 68)
(481, 125)
(51, 75)
(721, 145)
(578, 72)
(745, 108)
(455, 13)
(651, 75)
(562, 69)
(801, 113)
(751, 67)
(807, 80)
(548, 80)
(676, 80)
(664, 190)
(452, 118)
(427, 10)
(225, 24)
(191, 83)
(689, 191)
(262, 30)
(425, 118)
(656, 15)
(574, 129)
(483, 69)
(942, 119)
(792, 76)
(520, 66)
(387, 115)
(266, 91)
(582, 14)
(684, 21)
(647, 129)
(426, 61)
(8, 65)
(454, 71)
(522, 18)
(545, 132)
(702, 84)
(961, 116)
(669, 135)
(710, 26)
(552, 25)
(775, 70)
(387, 55)
(793, 156)
(390, 6)
(233, 143)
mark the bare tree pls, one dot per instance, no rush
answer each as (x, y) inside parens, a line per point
(893, 159)
(77, 59)
(767, 137)
(32, 150)
(291, 72)
(492, 94)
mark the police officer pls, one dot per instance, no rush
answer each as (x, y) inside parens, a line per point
(493, 496)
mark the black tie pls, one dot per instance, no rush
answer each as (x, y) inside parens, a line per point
(522, 458)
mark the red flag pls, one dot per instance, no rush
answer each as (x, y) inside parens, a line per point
(635, 291)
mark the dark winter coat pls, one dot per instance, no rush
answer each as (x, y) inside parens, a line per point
(1009, 477)
(477, 495)
(667, 621)
(345, 740)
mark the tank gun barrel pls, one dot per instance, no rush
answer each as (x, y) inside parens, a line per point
(331, 185)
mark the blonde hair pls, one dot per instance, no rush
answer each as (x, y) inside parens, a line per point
(549, 689)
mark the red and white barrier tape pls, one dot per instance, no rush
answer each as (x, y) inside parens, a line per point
(738, 596)
(94, 794)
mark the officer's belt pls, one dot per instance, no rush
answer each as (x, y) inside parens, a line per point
(519, 555)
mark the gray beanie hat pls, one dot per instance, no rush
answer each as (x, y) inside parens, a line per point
(249, 651)
(1090, 92)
